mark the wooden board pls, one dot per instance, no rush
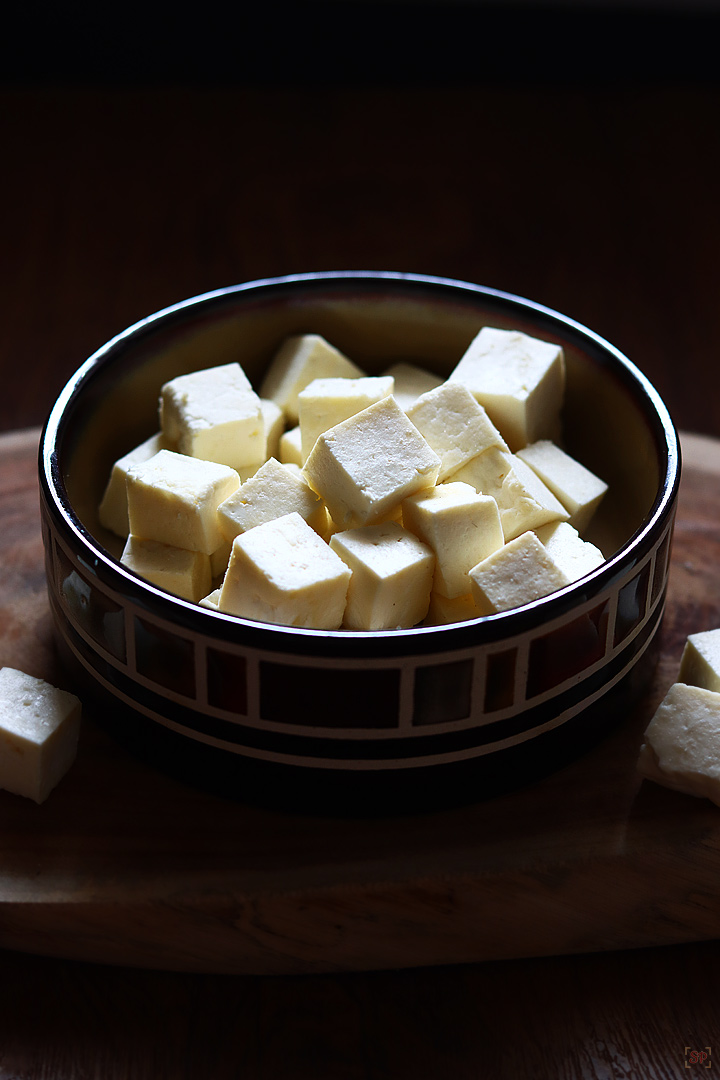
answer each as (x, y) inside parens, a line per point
(124, 865)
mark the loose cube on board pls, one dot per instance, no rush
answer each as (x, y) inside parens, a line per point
(460, 526)
(518, 573)
(174, 499)
(681, 745)
(274, 491)
(454, 425)
(282, 572)
(577, 488)
(215, 414)
(113, 511)
(520, 381)
(39, 728)
(700, 662)
(525, 502)
(327, 402)
(392, 574)
(185, 573)
(364, 467)
(410, 382)
(300, 359)
(576, 557)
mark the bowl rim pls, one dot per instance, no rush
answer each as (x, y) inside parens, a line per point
(496, 626)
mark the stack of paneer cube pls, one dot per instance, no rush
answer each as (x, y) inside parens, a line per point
(332, 498)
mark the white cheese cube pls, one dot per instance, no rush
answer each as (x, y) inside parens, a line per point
(410, 382)
(300, 359)
(113, 510)
(290, 448)
(519, 379)
(220, 558)
(454, 425)
(39, 728)
(681, 747)
(700, 662)
(516, 574)
(212, 600)
(273, 426)
(445, 609)
(282, 572)
(174, 499)
(525, 502)
(392, 574)
(327, 402)
(364, 467)
(274, 491)
(460, 526)
(185, 573)
(578, 489)
(486, 472)
(576, 557)
(215, 415)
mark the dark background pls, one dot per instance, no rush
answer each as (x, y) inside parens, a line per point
(568, 153)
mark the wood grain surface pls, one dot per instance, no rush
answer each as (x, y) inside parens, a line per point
(124, 865)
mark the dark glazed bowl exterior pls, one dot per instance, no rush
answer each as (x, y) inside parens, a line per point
(376, 722)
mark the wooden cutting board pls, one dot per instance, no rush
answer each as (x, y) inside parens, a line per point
(124, 865)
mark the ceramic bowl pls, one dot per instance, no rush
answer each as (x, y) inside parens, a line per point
(378, 720)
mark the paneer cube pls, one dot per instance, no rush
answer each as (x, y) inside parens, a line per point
(700, 662)
(174, 499)
(454, 425)
(282, 572)
(578, 489)
(39, 728)
(444, 609)
(681, 746)
(300, 359)
(517, 573)
(113, 511)
(327, 402)
(410, 382)
(486, 471)
(185, 573)
(525, 502)
(520, 381)
(460, 526)
(290, 447)
(215, 415)
(577, 557)
(273, 426)
(274, 491)
(364, 467)
(392, 574)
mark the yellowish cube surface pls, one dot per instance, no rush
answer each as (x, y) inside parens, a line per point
(274, 491)
(215, 414)
(525, 502)
(576, 557)
(174, 499)
(392, 574)
(578, 489)
(39, 728)
(681, 745)
(365, 466)
(327, 402)
(113, 511)
(486, 471)
(187, 574)
(290, 447)
(454, 425)
(518, 573)
(460, 526)
(273, 426)
(520, 381)
(410, 382)
(700, 662)
(282, 572)
(300, 359)
(444, 609)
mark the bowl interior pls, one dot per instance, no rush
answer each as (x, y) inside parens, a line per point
(610, 423)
